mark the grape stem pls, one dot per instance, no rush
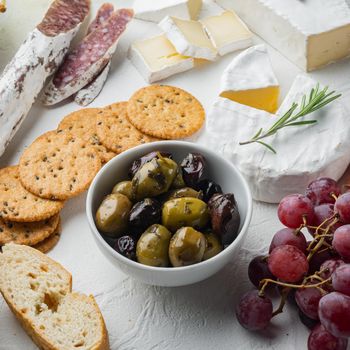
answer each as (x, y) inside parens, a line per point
(284, 297)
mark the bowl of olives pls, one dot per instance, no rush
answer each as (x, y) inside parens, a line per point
(169, 213)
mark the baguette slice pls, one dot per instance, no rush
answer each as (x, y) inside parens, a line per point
(38, 291)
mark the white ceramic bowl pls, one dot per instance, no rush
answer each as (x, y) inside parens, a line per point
(218, 169)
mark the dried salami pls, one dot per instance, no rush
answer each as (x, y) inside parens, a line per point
(87, 60)
(38, 57)
(103, 14)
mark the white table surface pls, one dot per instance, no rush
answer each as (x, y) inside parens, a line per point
(138, 316)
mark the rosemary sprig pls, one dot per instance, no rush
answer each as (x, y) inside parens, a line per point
(316, 100)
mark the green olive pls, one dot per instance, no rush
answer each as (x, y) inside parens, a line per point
(185, 192)
(178, 181)
(187, 247)
(154, 178)
(214, 246)
(153, 245)
(185, 211)
(112, 215)
(124, 187)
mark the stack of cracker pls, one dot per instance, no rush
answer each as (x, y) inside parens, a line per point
(62, 163)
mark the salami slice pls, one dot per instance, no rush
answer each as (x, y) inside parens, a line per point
(87, 60)
(88, 93)
(37, 58)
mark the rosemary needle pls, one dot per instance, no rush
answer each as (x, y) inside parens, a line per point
(309, 104)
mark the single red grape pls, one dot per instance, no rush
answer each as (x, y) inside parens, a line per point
(320, 191)
(288, 263)
(307, 321)
(293, 209)
(341, 241)
(254, 312)
(334, 314)
(258, 270)
(329, 266)
(321, 339)
(342, 207)
(341, 279)
(308, 299)
(322, 213)
(290, 237)
(319, 258)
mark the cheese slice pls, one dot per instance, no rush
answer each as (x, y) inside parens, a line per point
(310, 33)
(250, 80)
(188, 37)
(227, 32)
(156, 10)
(303, 153)
(156, 58)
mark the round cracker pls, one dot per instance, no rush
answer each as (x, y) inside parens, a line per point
(58, 166)
(28, 233)
(116, 132)
(50, 242)
(82, 123)
(165, 111)
(19, 205)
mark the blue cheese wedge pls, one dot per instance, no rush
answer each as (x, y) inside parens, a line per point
(156, 59)
(227, 32)
(303, 153)
(189, 38)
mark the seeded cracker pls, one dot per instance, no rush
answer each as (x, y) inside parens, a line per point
(116, 132)
(19, 205)
(58, 166)
(166, 112)
(82, 124)
(50, 242)
(28, 233)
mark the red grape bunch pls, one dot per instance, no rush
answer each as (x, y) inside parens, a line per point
(315, 272)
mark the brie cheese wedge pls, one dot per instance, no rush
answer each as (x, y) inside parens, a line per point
(156, 10)
(227, 32)
(156, 59)
(303, 153)
(310, 33)
(250, 80)
(188, 37)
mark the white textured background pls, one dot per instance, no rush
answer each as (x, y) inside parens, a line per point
(141, 317)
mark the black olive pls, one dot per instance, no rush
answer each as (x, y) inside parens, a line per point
(225, 218)
(138, 163)
(208, 188)
(126, 246)
(192, 168)
(144, 214)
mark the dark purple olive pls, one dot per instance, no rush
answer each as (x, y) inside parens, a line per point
(144, 214)
(208, 188)
(192, 168)
(138, 163)
(126, 246)
(225, 218)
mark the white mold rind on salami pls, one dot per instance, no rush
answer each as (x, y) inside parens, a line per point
(86, 95)
(71, 77)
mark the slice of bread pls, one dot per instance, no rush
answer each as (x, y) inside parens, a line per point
(38, 291)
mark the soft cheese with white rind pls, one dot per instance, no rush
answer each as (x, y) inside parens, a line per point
(156, 10)
(188, 37)
(303, 153)
(310, 33)
(249, 79)
(156, 58)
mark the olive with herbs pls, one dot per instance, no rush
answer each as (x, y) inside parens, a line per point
(178, 181)
(125, 188)
(185, 192)
(192, 168)
(187, 247)
(153, 246)
(208, 188)
(214, 246)
(138, 163)
(186, 211)
(113, 213)
(126, 246)
(154, 178)
(144, 214)
(225, 218)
